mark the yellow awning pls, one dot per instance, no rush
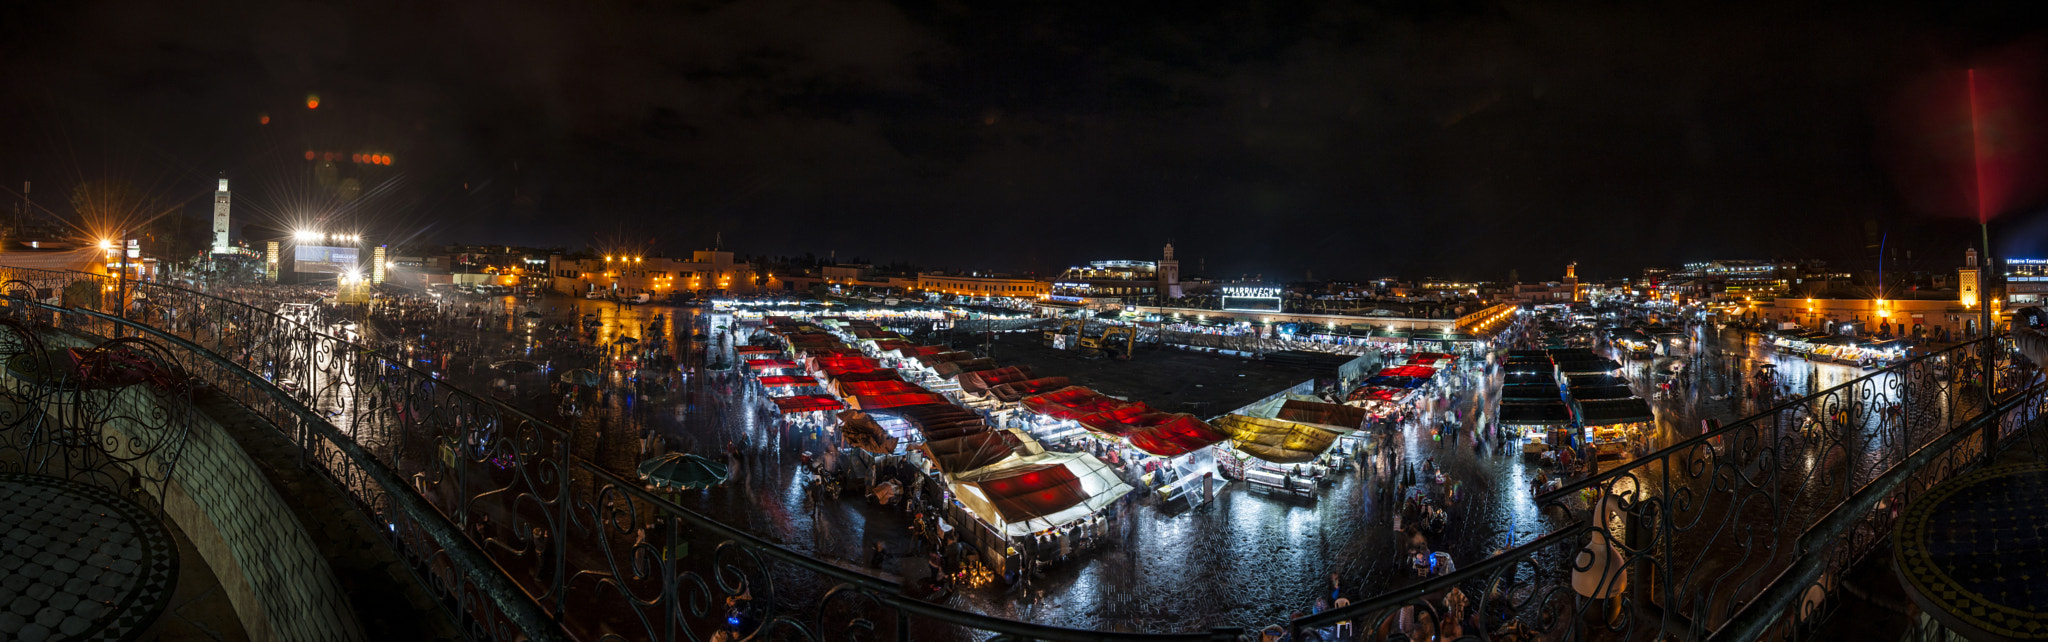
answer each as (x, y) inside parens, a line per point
(1275, 440)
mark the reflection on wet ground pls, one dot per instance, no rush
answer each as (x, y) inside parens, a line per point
(1247, 559)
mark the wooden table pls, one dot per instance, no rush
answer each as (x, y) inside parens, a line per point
(1973, 553)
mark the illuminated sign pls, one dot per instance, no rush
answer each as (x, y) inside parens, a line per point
(323, 259)
(1246, 299)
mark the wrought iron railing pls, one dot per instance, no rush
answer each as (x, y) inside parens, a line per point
(1678, 543)
(1705, 537)
(519, 536)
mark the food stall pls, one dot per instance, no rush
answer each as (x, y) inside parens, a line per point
(1616, 427)
(1543, 424)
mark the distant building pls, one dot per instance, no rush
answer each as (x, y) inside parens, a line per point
(706, 273)
(982, 286)
(2026, 281)
(1935, 315)
(1567, 290)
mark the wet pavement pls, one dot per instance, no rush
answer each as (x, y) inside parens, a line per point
(1246, 559)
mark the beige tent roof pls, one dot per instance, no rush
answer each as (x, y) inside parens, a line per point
(1277, 441)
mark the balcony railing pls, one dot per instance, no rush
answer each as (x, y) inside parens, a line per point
(1738, 533)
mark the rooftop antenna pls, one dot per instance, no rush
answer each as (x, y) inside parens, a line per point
(717, 240)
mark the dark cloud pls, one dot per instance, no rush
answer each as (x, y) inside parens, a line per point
(1354, 139)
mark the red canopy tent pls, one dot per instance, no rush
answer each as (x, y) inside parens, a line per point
(1115, 421)
(872, 402)
(807, 403)
(965, 453)
(1072, 402)
(1375, 393)
(746, 351)
(842, 362)
(884, 374)
(1419, 372)
(788, 382)
(978, 383)
(1016, 391)
(934, 359)
(772, 364)
(1172, 434)
(889, 387)
(1034, 492)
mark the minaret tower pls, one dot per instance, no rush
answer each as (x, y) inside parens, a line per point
(1169, 275)
(220, 218)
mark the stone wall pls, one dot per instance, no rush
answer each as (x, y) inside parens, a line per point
(273, 573)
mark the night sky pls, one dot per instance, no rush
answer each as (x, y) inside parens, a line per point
(1352, 139)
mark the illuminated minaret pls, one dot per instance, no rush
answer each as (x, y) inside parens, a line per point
(220, 218)
(1169, 275)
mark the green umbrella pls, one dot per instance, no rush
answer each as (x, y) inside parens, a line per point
(682, 471)
(581, 377)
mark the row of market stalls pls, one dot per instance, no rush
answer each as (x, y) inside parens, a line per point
(893, 399)
(1844, 349)
(1571, 397)
(1395, 388)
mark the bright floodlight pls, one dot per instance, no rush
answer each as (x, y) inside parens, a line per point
(106, 244)
(306, 235)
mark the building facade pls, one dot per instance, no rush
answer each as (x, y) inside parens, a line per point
(705, 273)
(982, 286)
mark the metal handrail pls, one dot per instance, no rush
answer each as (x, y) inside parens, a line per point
(476, 564)
(505, 595)
(1559, 540)
(1785, 593)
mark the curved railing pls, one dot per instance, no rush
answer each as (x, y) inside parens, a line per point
(519, 536)
(1705, 538)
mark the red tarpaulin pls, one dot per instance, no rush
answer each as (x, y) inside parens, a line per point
(840, 373)
(891, 387)
(1115, 420)
(772, 364)
(807, 403)
(1036, 491)
(1172, 435)
(871, 402)
(1418, 372)
(746, 350)
(962, 454)
(933, 360)
(1375, 393)
(978, 383)
(788, 382)
(885, 374)
(843, 363)
(1016, 391)
(1072, 402)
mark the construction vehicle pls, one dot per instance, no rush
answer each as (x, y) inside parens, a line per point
(1070, 327)
(1117, 341)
